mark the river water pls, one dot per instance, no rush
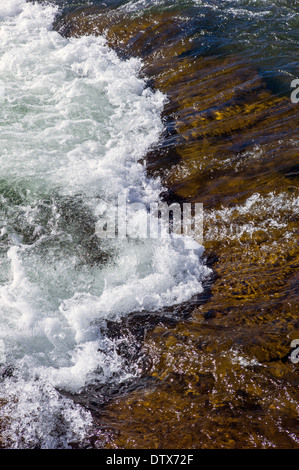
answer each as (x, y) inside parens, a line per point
(76, 121)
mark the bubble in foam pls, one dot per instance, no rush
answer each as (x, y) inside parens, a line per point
(40, 417)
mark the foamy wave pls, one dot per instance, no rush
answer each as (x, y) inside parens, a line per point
(75, 122)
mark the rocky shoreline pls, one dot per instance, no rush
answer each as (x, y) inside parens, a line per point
(221, 377)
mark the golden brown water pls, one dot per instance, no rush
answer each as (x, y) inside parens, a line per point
(223, 377)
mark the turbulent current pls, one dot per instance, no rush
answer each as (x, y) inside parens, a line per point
(76, 122)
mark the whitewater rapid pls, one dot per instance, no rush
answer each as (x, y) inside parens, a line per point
(75, 124)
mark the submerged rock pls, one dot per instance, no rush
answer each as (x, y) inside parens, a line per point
(223, 377)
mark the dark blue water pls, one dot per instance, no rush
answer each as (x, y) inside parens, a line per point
(265, 31)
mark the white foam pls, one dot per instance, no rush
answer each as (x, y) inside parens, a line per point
(75, 123)
(36, 413)
(10, 9)
(271, 212)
